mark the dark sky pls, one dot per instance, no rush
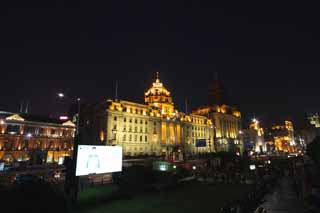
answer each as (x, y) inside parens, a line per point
(266, 54)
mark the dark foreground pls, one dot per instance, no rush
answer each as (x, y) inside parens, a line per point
(193, 197)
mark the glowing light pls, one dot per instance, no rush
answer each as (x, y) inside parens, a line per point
(29, 135)
(174, 166)
(63, 117)
(254, 120)
(1, 122)
(252, 167)
(61, 95)
(194, 167)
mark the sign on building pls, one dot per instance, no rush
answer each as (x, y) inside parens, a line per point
(201, 143)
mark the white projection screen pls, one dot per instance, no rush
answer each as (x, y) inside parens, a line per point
(98, 159)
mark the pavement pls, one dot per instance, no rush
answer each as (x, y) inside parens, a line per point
(283, 199)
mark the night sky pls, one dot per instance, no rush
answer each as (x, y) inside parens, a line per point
(267, 55)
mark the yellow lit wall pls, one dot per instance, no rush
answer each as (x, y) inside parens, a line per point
(163, 132)
(178, 134)
(172, 138)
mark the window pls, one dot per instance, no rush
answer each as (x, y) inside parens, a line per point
(140, 138)
(53, 131)
(146, 130)
(130, 128)
(145, 138)
(154, 123)
(124, 137)
(135, 121)
(146, 122)
(115, 127)
(124, 128)
(135, 138)
(141, 121)
(125, 120)
(141, 129)
(115, 118)
(135, 129)
(130, 120)
(130, 137)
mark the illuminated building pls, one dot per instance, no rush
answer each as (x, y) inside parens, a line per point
(314, 120)
(281, 138)
(37, 139)
(153, 128)
(253, 137)
(226, 120)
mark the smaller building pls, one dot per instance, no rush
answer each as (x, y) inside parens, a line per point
(33, 138)
(314, 120)
(280, 138)
(253, 137)
(226, 122)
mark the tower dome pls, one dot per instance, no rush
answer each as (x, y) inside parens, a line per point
(158, 96)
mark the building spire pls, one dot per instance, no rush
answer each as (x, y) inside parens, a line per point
(157, 77)
(27, 108)
(21, 107)
(116, 95)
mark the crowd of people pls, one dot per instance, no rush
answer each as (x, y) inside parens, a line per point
(251, 201)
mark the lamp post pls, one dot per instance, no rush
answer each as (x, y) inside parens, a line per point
(72, 185)
(214, 138)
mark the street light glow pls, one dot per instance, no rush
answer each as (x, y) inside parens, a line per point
(61, 95)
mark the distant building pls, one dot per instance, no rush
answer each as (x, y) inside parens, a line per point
(280, 138)
(37, 139)
(253, 138)
(153, 128)
(314, 120)
(226, 119)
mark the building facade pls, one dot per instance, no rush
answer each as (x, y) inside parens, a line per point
(226, 120)
(153, 128)
(25, 137)
(280, 138)
(253, 138)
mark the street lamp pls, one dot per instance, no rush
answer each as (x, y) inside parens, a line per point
(213, 127)
(61, 95)
(74, 180)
